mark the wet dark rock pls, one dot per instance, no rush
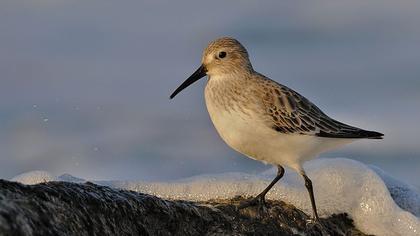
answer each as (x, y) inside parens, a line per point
(62, 208)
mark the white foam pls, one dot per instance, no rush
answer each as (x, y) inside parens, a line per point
(40, 176)
(406, 196)
(34, 177)
(340, 185)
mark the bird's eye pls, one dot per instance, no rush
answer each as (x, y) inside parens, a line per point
(222, 54)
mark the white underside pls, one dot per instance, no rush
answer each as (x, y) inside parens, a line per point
(256, 140)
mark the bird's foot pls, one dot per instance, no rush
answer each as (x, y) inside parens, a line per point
(258, 201)
(312, 220)
(316, 224)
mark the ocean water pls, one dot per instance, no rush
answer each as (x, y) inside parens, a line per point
(84, 85)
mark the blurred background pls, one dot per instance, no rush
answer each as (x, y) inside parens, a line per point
(84, 85)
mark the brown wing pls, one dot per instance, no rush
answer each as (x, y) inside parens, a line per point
(292, 113)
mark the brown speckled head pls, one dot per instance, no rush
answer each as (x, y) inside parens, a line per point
(226, 56)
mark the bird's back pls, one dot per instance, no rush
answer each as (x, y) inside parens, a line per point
(291, 113)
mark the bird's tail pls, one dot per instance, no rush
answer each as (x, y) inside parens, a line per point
(373, 135)
(369, 134)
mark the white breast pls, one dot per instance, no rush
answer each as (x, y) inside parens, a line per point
(245, 131)
(240, 128)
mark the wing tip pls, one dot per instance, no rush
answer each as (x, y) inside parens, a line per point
(359, 134)
(374, 135)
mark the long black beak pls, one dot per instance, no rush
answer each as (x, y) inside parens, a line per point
(198, 74)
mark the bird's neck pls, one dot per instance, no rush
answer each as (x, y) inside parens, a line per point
(227, 90)
(231, 77)
(223, 83)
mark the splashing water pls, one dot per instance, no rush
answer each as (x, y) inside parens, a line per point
(378, 203)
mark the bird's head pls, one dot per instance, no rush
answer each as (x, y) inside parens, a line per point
(223, 56)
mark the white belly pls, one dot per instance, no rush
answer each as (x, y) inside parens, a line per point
(253, 138)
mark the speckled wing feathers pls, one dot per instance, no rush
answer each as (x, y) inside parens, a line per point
(291, 113)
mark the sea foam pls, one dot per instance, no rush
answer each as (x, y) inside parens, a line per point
(378, 203)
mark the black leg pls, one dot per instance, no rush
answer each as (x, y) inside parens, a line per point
(280, 173)
(260, 198)
(308, 184)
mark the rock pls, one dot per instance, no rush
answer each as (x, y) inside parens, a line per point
(62, 208)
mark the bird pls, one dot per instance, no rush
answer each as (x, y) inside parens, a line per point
(265, 120)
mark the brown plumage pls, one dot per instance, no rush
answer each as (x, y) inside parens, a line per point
(263, 119)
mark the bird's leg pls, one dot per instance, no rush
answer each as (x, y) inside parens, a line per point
(314, 221)
(308, 184)
(260, 198)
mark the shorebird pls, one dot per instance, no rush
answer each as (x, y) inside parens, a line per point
(263, 119)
